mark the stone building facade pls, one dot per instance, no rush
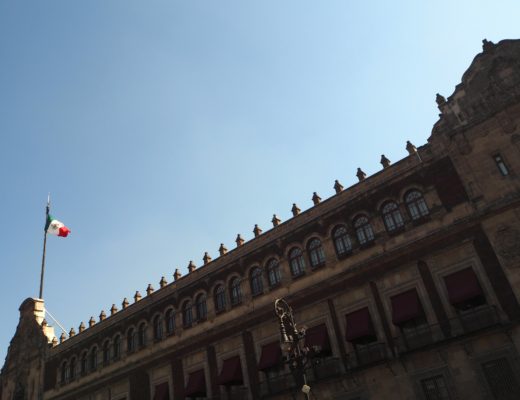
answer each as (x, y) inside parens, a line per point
(408, 283)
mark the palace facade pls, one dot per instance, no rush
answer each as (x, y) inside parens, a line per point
(408, 283)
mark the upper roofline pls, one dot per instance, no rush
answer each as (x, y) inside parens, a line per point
(350, 194)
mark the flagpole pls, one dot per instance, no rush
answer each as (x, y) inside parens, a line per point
(44, 244)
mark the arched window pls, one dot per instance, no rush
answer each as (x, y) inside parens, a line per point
(316, 253)
(141, 335)
(106, 352)
(72, 368)
(64, 372)
(235, 292)
(220, 298)
(116, 353)
(364, 231)
(342, 242)
(187, 314)
(83, 366)
(130, 340)
(296, 262)
(170, 321)
(157, 327)
(92, 359)
(257, 285)
(392, 216)
(415, 204)
(201, 307)
(273, 272)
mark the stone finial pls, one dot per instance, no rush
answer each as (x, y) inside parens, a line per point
(276, 221)
(137, 296)
(361, 175)
(149, 289)
(487, 45)
(125, 303)
(177, 274)
(257, 231)
(113, 309)
(222, 249)
(54, 341)
(102, 315)
(441, 101)
(163, 282)
(91, 322)
(316, 199)
(44, 323)
(207, 258)
(191, 266)
(72, 332)
(385, 162)
(295, 210)
(81, 327)
(410, 148)
(338, 187)
(239, 240)
(63, 337)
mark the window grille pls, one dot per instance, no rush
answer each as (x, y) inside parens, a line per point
(435, 388)
(501, 380)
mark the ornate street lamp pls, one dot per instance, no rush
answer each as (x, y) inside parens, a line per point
(292, 340)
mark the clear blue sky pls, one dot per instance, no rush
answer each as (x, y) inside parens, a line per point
(163, 128)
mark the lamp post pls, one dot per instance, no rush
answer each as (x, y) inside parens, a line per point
(297, 355)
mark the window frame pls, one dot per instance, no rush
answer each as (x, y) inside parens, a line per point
(219, 298)
(273, 270)
(201, 307)
(187, 314)
(365, 234)
(345, 240)
(158, 329)
(418, 204)
(316, 252)
(169, 317)
(235, 291)
(256, 281)
(392, 218)
(296, 262)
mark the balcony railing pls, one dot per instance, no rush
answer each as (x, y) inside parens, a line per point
(281, 383)
(465, 322)
(475, 319)
(367, 354)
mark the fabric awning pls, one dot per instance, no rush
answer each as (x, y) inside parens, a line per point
(271, 356)
(196, 386)
(462, 286)
(318, 336)
(359, 325)
(231, 372)
(405, 307)
(162, 392)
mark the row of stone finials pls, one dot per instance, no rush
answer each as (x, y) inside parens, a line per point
(412, 150)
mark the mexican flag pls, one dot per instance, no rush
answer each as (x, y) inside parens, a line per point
(56, 227)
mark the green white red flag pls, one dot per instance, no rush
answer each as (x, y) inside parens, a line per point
(56, 227)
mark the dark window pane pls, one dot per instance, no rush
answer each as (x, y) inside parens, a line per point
(435, 388)
(501, 380)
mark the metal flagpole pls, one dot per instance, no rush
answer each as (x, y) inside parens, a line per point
(44, 243)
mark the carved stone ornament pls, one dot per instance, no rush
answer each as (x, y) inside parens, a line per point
(507, 241)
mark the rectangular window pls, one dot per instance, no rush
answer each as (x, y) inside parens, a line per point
(501, 165)
(435, 388)
(501, 379)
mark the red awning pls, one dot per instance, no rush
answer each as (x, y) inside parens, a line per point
(405, 307)
(196, 386)
(318, 336)
(231, 372)
(359, 325)
(462, 285)
(162, 392)
(270, 357)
